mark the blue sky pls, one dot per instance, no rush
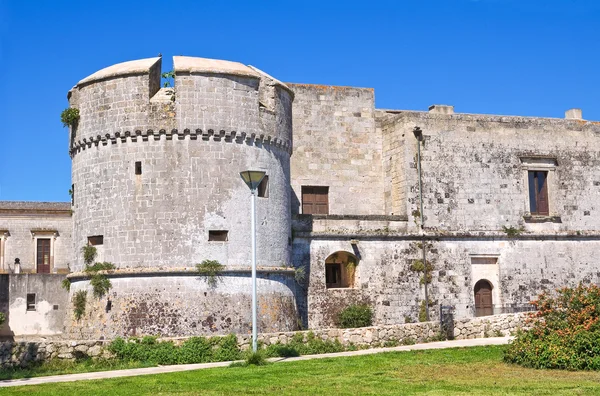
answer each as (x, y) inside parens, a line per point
(514, 57)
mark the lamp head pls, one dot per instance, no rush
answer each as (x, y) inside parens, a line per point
(252, 178)
(418, 133)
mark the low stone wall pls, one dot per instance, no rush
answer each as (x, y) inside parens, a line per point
(22, 353)
(372, 337)
(489, 326)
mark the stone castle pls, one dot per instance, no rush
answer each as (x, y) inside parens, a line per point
(502, 208)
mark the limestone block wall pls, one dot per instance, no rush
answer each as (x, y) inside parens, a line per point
(182, 303)
(394, 152)
(518, 269)
(22, 223)
(336, 144)
(475, 170)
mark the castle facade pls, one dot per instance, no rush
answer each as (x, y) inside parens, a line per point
(360, 206)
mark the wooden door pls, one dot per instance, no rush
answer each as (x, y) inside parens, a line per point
(483, 299)
(43, 256)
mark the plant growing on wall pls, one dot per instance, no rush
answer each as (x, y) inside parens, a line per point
(169, 79)
(69, 117)
(100, 282)
(66, 284)
(300, 274)
(2, 318)
(89, 254)
(211, 269)
(419, 267)
(79, 301)
(355, 315)
(512, 232)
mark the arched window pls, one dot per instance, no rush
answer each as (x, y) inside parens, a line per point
(340, 270)
(483, 298)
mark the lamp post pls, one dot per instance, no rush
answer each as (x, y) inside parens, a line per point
(419, 135)
(253, 179)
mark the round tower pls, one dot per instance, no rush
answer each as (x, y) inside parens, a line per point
(157, 190)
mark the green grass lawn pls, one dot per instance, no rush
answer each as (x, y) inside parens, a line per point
(477, 370)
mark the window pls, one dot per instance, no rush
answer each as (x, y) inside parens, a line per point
(72, 194)
(315, 200)
(263, 187)
(96, 240)
(43, 256)
(538, 192)
(340, 270)
(217, 236)
(31, 301)
(138, 167)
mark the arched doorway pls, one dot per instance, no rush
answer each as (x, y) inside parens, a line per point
(340, 270)
(483, 298)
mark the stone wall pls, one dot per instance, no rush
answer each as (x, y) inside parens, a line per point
(336, 145)
(21, 353)
(489, 326)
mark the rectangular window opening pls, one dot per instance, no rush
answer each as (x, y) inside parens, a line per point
(538, 192)
(96, 240)
(31, 301)
(217, 235)
(315, 200)
(138, 167)
(73, 194)
(263, 187)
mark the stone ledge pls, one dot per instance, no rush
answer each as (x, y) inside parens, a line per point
(179, 271)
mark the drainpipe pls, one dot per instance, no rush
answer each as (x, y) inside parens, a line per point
(419, 135)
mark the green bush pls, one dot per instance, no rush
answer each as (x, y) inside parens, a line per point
(2, 318)
(69, 116)
(79, 301)
(193, 350)
(355, 316)
(211, 269)
(564, 332)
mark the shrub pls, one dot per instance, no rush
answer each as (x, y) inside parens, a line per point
(193, 350)
(564, 332)
(355, 316)
(211, 269)
(79, 301)
(2, 318)
(69, 116)
(89, 254)
(66, 284)
(100, 282)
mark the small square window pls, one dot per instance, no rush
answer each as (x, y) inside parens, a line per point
(138, 167)
(315, 200)
(263, 188)
(217, 235)
(96, 240)
(31, 301)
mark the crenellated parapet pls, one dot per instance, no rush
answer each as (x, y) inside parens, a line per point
(175, 134)
(211, 98)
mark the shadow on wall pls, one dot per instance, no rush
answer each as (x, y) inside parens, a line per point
(295, 203)
(5, 331)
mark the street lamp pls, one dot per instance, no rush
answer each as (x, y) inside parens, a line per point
(253, 179)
